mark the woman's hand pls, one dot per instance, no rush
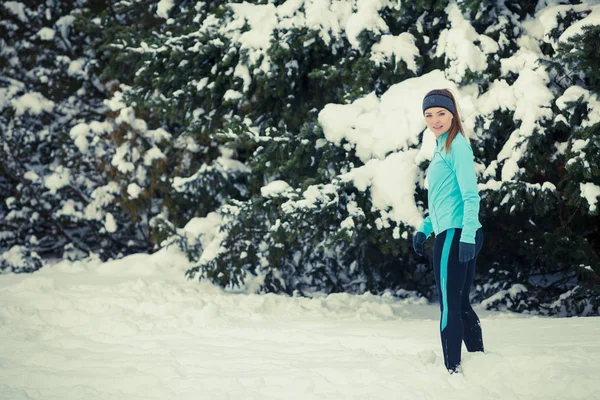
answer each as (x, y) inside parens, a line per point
(419, 243)
(466, 252)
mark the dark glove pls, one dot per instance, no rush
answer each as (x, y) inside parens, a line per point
(419, 243)
(466, 252)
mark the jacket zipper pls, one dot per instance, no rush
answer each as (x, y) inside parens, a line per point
(444, 181)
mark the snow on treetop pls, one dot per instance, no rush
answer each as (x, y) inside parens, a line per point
(457, 45)
(590, 192)
(330, 19)
(163, 8)
(46, 34)
(34, 103)
(60, 177)
(546, 20)
(275, 188)
(393, 183)
(376, 127)
(576, 28)
(17, 9)
(402, 47)
(574, 93)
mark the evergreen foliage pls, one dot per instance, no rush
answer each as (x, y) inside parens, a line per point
(293, 240)
(558, 244)
(582, 56)
(124, 121)
(47, 85)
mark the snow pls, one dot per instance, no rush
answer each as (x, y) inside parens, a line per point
(17, 9)
(153, 154)
(577, 148)
(367, 18)
(31, 176)
(241, 71)
(262, 20)
(69, 209)
(510, 170)
(348, 223)
(222, 163)
(574, 93)
(576, 29)
(548, 186)
(579, 144)
(77, 68)
(46, 34)
(400, 48)
(332, 21)
(590, 192)
(79, 135)
(393, 183)
(533, 99)
(163, 8)
(109, 223)
(202, 84)
(64, 24)
(378, 126)
(34, 102)
(457, 45)
(116, 102)
(512, 293)
(120, 158)
(135, 329)
(384, 132)
(310, 197)
(134, 190)
(127, 115)
(58, 179)
(232, 95)
(546, 19)
(7, 93)
(275, 188)
(158, 135)
(101, 197)
(529, 97)
(205, 229)
(14, 256)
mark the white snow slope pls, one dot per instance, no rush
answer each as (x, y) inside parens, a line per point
(135, 329)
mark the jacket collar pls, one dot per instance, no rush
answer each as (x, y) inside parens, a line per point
(441, 140)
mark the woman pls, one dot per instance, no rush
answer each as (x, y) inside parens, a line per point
(453, 216)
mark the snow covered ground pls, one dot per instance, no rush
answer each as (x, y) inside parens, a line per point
(135, 329)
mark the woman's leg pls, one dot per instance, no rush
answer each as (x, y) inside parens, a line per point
(471, 326)
(450, 278)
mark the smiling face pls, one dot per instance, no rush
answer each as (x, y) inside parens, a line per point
(438, 120)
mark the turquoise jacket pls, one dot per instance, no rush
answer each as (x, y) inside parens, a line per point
(453, 196)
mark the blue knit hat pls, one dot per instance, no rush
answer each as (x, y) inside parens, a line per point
(438, 100)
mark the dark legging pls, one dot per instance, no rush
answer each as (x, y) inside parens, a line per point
(458, 320)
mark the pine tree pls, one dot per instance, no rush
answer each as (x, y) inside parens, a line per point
(311, 234)
(132, 118)
(48, 83)
(544, 236)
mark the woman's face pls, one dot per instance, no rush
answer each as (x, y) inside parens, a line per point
(438, 120)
